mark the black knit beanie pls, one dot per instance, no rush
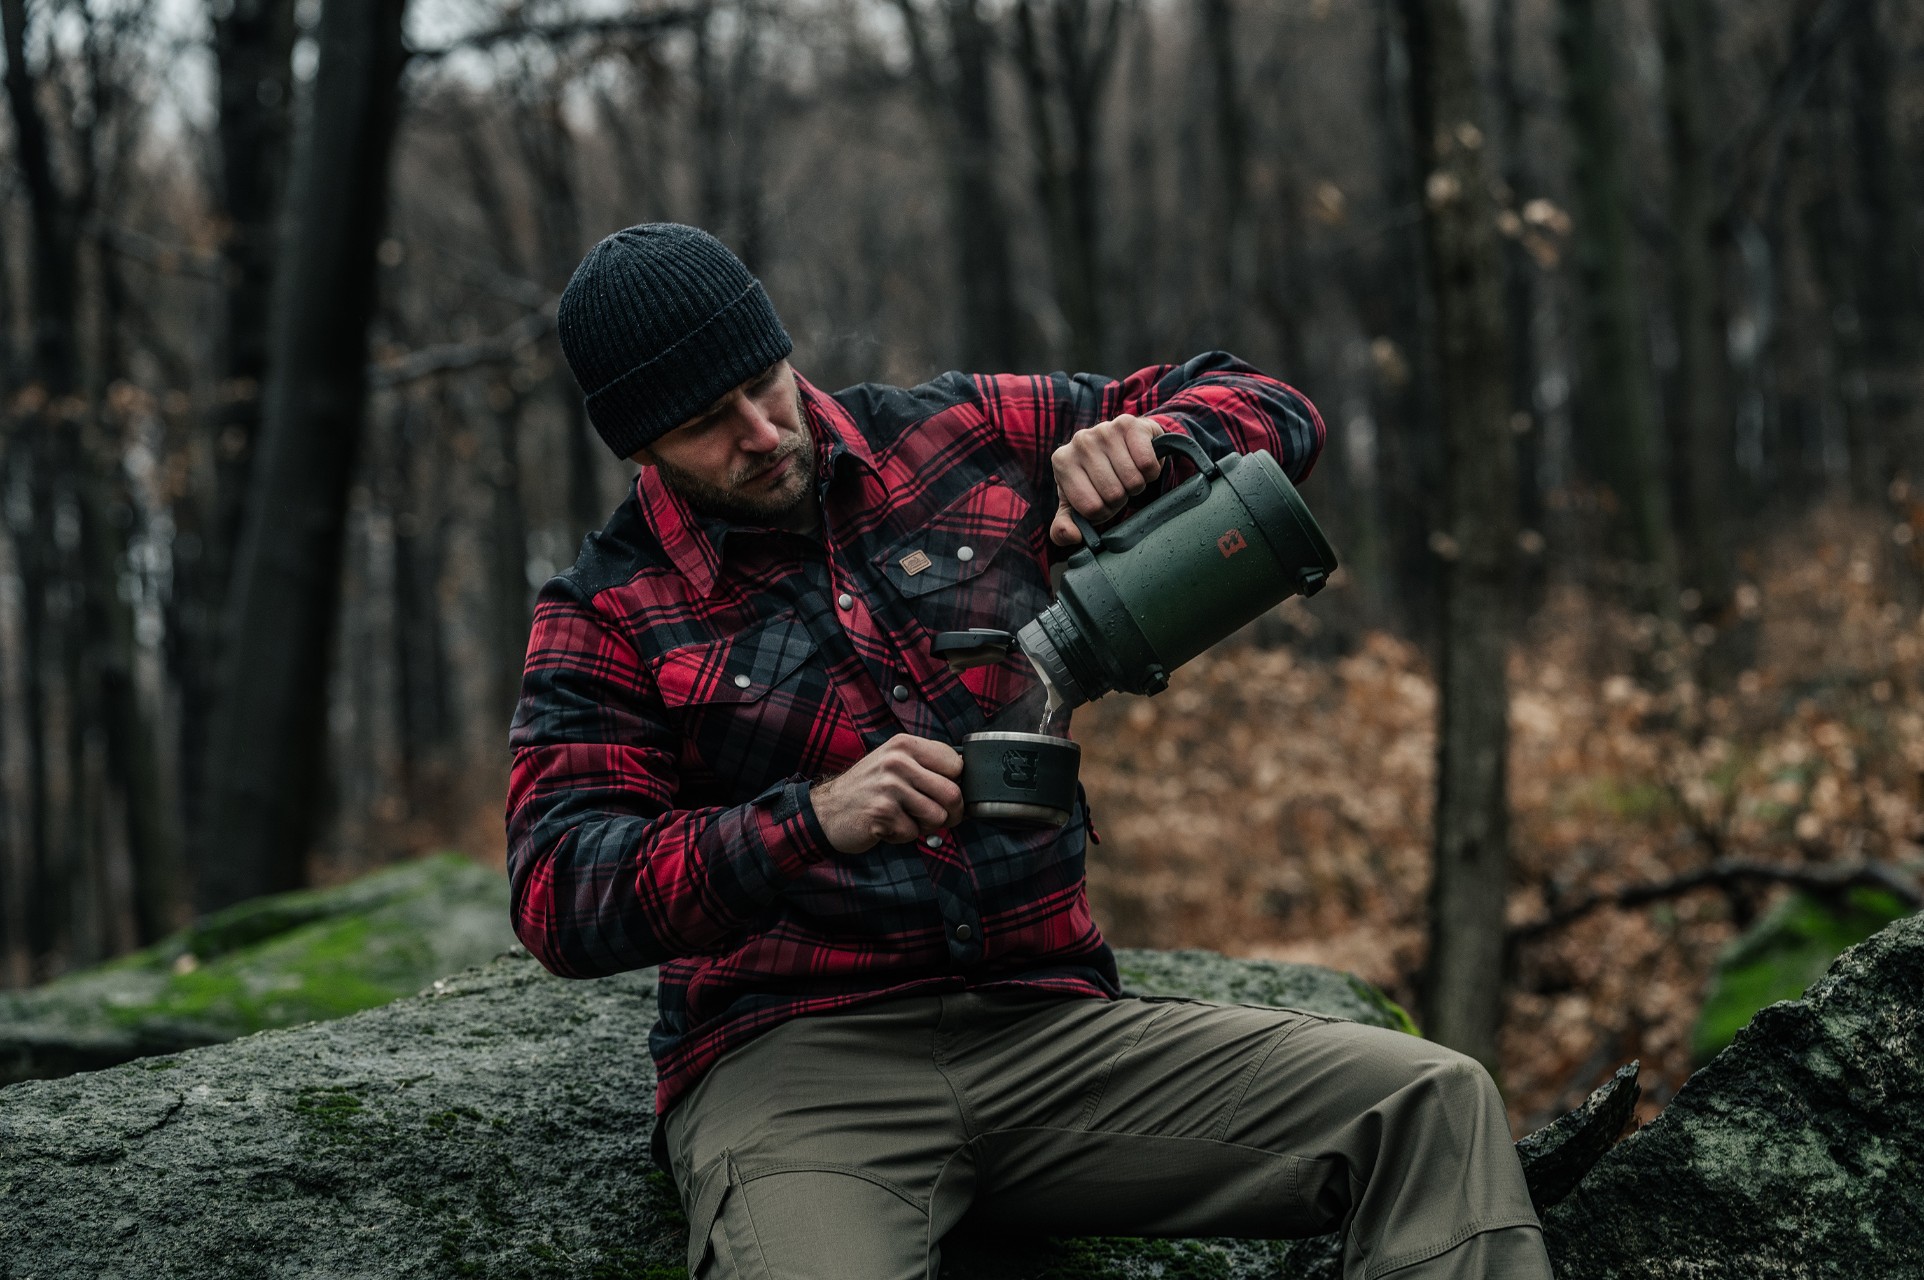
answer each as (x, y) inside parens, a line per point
(659, 322)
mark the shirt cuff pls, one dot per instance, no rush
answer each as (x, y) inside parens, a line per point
(787, 829)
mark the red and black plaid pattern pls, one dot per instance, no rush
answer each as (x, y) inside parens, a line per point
(688, 679)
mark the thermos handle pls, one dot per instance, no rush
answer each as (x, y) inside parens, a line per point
(1176, 442)
(1165, 444)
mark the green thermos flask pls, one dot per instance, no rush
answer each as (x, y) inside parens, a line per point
(1214, 553)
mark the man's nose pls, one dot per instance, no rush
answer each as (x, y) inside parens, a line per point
(755, 431)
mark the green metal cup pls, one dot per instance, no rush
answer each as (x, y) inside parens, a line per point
(1212, 554)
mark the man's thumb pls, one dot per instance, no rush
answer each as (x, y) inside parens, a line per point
(1062, 530)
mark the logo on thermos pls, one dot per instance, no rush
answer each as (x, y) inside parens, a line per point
(1230, 543)
(1019, 768)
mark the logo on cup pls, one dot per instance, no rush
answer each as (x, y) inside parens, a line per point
(1230, 543)
(1019, 769)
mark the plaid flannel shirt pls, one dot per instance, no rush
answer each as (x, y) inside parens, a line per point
(687, 679)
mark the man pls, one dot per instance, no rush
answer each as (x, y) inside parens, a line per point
(733, 759)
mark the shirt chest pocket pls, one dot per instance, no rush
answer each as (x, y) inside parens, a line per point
(969, 566)
(748, 704)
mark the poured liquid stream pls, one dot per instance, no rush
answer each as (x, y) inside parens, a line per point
(1055, 715)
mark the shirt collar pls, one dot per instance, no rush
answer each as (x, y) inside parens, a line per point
(694, 542)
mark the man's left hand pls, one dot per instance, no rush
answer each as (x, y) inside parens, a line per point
(1100, 469)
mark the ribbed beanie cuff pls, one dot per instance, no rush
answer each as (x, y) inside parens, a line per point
(659, 322)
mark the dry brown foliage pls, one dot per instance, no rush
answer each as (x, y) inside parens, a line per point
(1277, 806)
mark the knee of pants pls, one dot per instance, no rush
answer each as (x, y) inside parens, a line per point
(1452, 1083)
(1459, 1077)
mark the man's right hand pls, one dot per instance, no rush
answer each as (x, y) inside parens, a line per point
(901, 791)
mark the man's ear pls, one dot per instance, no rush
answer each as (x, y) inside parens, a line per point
(643, 457)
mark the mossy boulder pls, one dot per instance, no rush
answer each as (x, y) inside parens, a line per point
(1782, 954)
(1798, 1151)
(272, 962)
(497, 1125)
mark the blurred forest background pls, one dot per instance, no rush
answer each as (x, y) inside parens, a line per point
(1615, 309)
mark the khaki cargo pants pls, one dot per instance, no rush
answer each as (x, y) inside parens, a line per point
(844, 1147)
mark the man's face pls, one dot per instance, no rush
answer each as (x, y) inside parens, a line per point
(748, 458)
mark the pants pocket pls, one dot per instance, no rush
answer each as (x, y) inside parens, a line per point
(704, 1199)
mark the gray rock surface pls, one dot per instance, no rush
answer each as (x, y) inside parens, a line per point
(272, 962)
(497, 1125)
(1558, 1156)
(1797, 1152)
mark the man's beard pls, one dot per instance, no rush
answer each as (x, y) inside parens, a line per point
(774, 508)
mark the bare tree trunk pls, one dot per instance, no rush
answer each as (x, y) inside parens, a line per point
(507, 558)
(547, 149)
(1616, 409)
(507, 525)
(1232, 146)
(44, 889)
(81, 837)
(54, 253)
(1521, 289)
(420, 553)
(1067, 54)
(1891, 307)
(711, 175)
(1141, 302)
(15, 961)
(51, 427)
(961, 113)
(1463, 984)
(1401, 319)
(131, 742)
(253, 54)
(267, 748)
(1833, 226)
(1704, 450)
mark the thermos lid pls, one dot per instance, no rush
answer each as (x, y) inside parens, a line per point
(976, 647)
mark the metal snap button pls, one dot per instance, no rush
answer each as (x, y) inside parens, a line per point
(965, 554)
(933, 842)
(900, 693)
(845, 601)
(963, 933)
(742, 682)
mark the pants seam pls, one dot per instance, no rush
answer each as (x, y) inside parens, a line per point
(970, 1130)
(844, 1170)
(1383, 1266)
(1087, 1117)
(748, 1216)
(1154, 1137)
(1249, 1079)
(930, 1244)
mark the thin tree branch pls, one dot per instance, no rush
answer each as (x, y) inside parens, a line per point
(1750, 152)
(451, 357)
(167, 259)
(555, 32)
(1722, 874)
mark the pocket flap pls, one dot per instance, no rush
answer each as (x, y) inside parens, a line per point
(711, 1188)
(742, 668)
(957, 543)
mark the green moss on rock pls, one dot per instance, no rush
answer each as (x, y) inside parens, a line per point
(1205, 975)
(1782, 954)
(297, 957)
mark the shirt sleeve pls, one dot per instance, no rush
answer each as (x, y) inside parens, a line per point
(1224, 404)
(607, 875)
